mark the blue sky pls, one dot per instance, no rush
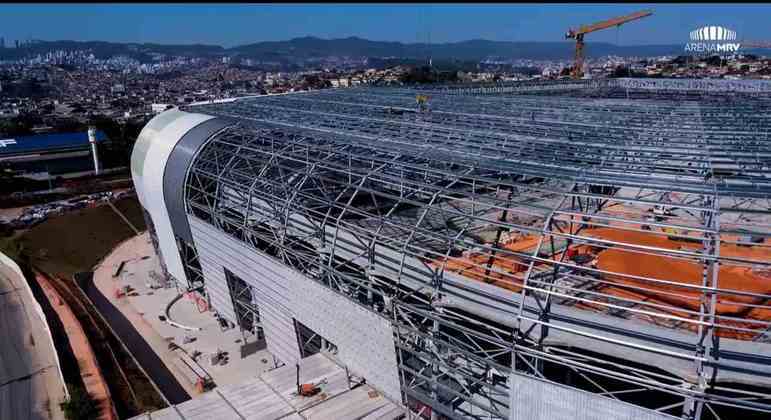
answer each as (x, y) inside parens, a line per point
(233, 24)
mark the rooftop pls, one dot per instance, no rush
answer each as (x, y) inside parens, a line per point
(46, 143)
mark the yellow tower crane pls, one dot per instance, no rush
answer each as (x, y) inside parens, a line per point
(578, 35)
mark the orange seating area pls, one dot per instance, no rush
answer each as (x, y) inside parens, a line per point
(686, 272)
(508, 272)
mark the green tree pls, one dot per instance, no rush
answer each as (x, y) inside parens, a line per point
(20, 125)
(80, 406)
(419, 75)
(621, 71)
(68, 125)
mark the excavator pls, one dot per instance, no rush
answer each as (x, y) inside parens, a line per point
(578, 35)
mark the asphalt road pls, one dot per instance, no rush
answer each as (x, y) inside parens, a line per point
(136, 344)
(30, 385)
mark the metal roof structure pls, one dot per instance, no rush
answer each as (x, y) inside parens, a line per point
(614, 238)
(46, 143)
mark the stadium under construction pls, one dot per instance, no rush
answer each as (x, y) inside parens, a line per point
(564, 250)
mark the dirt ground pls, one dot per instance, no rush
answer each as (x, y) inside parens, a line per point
(77, 241)
(74, 242)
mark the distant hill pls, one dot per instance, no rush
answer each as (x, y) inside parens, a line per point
(477, 49)
(312, 47)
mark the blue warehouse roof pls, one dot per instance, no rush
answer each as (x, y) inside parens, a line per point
(45, 142)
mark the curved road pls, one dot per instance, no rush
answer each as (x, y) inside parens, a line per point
(138, 346)
(30, 385)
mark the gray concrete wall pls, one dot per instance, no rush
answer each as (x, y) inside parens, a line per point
(534, 399)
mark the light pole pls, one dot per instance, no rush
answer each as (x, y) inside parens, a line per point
(48, 175)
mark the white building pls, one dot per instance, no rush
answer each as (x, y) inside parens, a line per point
(288, 302)
(158, 108)
(119, 88)
(328, 224)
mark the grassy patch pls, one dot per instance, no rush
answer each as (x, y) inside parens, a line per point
(76, 241)
(80, 405)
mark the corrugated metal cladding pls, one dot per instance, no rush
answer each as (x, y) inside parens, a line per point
(216, 251)
(533, 399)
(364, 339)
(148, 164)
(179, 161)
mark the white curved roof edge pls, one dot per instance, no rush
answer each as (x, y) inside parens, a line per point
(221, 101)
(148, 164)
(226, 100)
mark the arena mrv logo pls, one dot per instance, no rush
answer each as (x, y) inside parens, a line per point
(712, 39)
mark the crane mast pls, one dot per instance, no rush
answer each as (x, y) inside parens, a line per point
(578, 35)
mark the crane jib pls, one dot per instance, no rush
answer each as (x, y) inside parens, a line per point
(578, 35)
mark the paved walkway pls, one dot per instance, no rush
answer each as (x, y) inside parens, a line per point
(30, 384)
(142, 308)
(273, 396)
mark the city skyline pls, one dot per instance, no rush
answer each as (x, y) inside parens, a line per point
(230, 25)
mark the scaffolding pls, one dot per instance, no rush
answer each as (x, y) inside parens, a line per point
(619, 246)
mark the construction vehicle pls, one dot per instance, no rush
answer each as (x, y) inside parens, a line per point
(422, 101)
(307, 389)
(578, 35)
